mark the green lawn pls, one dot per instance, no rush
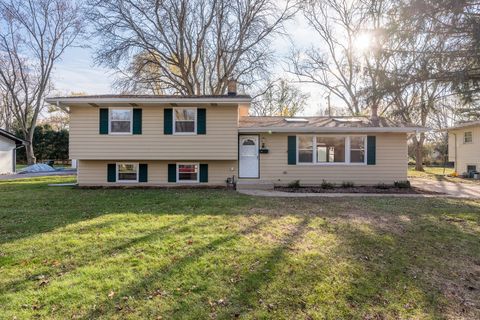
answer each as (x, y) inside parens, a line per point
(68, 253)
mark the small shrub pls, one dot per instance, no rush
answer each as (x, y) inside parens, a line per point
(294, 184)
(327, 185)
(382, 186)
(402, 184)
(348, 184)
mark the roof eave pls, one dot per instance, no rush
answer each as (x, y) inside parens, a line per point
(462, 126)
(12, 137)
(80, 100)
(333, 130)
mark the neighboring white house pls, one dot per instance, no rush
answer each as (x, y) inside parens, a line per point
(8, 145)
(464, 146)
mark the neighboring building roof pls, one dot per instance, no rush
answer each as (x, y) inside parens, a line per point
(465, 124)
(11, 136)
(323, 124)
(148, 99)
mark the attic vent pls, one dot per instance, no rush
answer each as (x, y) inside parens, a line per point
(296, 120)
(348, 119)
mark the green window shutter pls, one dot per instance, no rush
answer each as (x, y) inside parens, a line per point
(292, 150)
(143, 172)
(167, 121)
(172, 172)
(137, 121)
(112, 172)
(203, 172)
(371, 150)
(201, 121)
(103, 121)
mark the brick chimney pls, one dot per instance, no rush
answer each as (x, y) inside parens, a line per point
(232, 87)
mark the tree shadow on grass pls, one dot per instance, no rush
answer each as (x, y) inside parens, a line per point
(142, 288)
(405, 265)
(89, 252)
(27, 214)
(245, 295)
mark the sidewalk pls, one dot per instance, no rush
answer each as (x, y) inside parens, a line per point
(450, 190)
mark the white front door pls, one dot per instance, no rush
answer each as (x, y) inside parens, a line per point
(248, 157)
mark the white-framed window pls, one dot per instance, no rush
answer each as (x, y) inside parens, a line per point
(305, 149)
(331, 149)
(185, 120)
(468, 137)
(358, 145)
(188, 172)
(120, 120)
(127, 172)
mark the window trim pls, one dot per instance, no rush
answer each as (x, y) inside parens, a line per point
(347, 161)
(136, 164)
(467, 142)
(110, 121)
(174, 121)
(177, 173)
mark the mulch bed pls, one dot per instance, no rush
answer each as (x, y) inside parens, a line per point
(359, 189)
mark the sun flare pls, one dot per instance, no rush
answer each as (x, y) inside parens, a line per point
(363, 42)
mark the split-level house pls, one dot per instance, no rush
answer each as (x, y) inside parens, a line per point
(464, 146)
(146, 140)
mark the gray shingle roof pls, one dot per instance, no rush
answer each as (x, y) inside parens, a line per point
(318, 122)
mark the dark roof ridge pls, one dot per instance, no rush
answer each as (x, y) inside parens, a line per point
(11, 136)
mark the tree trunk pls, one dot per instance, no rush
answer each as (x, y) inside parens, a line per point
(419, 152)
(30, 154)
(29, 149)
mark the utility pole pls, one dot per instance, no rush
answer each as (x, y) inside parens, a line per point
(329, 106)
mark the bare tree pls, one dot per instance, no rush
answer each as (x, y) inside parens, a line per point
(280, 99)
(333, 63)
(187, 47)
(34, 35)
(6, 119)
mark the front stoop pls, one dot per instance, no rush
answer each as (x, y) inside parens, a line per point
(254, 185)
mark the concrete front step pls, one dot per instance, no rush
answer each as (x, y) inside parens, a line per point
(254, 185)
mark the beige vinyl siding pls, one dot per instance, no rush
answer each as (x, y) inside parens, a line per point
(94, 172)
(391, 159)
(220, 142)
(466, 153)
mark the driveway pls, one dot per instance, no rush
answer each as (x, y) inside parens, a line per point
(460, 190)
(37, 174)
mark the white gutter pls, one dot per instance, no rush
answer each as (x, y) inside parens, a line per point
(80, 100)
(333, 130)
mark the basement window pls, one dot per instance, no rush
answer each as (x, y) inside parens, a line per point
(127, 172)
(187, 172)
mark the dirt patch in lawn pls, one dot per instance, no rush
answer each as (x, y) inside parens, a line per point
(359, 189)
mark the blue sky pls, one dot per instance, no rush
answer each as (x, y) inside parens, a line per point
(76, 72)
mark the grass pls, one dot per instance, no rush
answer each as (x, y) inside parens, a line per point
(212, 254)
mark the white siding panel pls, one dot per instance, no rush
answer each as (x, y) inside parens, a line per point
(466, 153)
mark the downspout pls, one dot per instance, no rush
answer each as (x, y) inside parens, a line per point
(456, 162)
(15, 157)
